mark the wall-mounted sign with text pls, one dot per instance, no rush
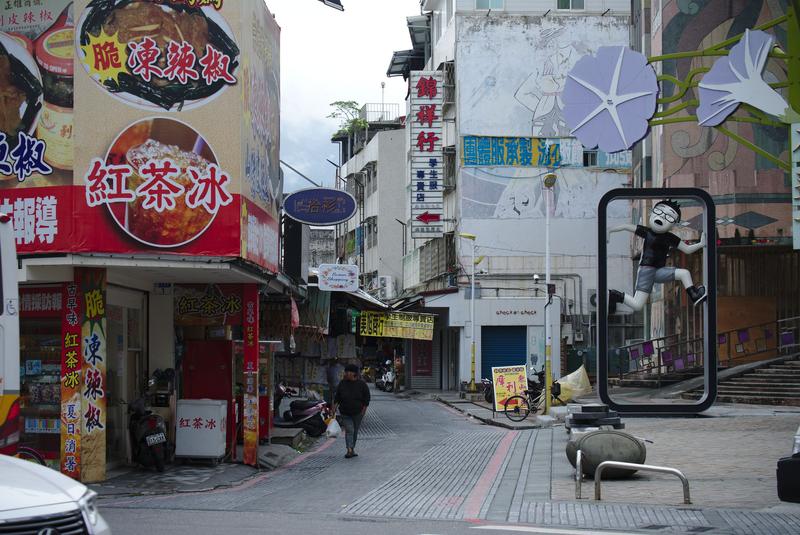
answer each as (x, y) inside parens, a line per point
(338, 278)
(320, 206)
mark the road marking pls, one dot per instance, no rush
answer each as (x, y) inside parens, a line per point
(552, 531)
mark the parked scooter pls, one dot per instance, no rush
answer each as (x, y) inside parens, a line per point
(381, 375)
(488, 390)
(389, 378)
(309, 415)
(148, 435)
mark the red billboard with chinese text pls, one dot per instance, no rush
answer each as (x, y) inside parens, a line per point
(114, 139)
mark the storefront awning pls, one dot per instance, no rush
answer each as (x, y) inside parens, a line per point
(141, 272)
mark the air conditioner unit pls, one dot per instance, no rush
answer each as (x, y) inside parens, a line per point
(386, 285)
(591, 297)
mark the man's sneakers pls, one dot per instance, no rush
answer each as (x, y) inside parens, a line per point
(615, 297)
(697, 294)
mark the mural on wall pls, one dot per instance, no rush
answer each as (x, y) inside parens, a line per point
(519, 66)
(708, 157)
(517, 193)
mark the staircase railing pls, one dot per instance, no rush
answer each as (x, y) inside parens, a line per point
(673, 354)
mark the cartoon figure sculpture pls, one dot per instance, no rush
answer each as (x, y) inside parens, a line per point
(658, 242)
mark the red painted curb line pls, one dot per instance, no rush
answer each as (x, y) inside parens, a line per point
(472, 507)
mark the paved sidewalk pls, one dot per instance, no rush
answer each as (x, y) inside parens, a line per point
(481, 411)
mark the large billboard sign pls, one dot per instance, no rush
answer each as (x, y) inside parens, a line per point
(123, 127)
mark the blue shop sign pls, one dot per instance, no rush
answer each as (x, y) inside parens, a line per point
(320, 206)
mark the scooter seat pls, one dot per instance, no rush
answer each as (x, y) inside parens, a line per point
(300, 405)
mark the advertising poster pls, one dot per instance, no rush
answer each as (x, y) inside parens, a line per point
(338, 278)
(92, 290)
(251, 347)
(147, 126)
(71, 374)
(508, 381)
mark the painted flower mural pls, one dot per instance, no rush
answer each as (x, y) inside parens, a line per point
(736, 79)
(609, 98)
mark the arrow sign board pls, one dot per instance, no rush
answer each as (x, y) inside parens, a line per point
(320, 206)
(427, 165)
(428, 218)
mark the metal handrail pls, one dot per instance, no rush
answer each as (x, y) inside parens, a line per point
(598, 475)
(578, 474)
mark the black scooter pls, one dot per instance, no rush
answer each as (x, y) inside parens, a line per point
(148, 436)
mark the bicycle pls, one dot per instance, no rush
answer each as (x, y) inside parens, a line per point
(517, 408)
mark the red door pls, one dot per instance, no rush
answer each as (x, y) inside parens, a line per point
(208, 374)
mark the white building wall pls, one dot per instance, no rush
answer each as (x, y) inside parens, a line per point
(392, 195)
(529, 312)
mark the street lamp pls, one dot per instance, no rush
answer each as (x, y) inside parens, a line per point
(473, 239)
(548, 181)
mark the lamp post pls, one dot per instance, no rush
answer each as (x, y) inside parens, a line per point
(548, 181)
(472, 238)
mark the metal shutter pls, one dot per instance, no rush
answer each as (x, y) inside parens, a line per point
(502, 346)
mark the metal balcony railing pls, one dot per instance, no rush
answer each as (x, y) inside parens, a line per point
(379, 113)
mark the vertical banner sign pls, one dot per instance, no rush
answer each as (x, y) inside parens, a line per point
(250, 322)
(93, 338)
(71, 379)
(508, 381)
(427, 133)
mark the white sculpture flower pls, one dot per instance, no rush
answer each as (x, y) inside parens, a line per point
(736, 79)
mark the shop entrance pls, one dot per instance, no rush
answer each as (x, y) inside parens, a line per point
(126, 367)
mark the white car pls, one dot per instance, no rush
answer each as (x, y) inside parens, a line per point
(36, 499)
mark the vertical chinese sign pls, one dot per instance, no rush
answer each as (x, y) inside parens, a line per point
(93, 336)
(427, 192)
(71, 375)
(250, 323)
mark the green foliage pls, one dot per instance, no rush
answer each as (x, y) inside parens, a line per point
(347, 111)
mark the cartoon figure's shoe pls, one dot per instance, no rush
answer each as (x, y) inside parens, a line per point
(697, 294)
(615, 297)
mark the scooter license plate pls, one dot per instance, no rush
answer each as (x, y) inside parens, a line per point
(157, 438)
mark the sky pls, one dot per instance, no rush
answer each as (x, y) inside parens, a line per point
(328, 55)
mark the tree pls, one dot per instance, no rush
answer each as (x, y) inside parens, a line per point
(347, 111)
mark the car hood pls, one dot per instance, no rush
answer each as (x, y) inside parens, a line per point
(24, 484)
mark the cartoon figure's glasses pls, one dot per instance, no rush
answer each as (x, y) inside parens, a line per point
(665, 215)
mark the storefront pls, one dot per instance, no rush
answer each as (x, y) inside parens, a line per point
(136, 165)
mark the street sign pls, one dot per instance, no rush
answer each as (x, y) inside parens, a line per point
(320, 206)
(427, 155)
(338, 278)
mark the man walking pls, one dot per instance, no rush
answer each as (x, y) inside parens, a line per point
(352, 399)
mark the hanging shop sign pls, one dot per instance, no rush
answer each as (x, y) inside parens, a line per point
(212, 304)
(396, 325)
(508, 381)
(338, 278)
(427, 155)
(320, 206)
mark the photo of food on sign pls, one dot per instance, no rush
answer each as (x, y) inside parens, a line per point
(36, 73)
(160, 182)
(158, 54)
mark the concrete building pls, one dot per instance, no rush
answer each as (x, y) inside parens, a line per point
(322, 246)
(504, 64)
(374, 173)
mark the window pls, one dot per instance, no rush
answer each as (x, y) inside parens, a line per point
(590, 158)
(491, 4)
(570, 4)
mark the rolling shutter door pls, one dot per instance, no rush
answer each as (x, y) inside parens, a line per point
(502, 346)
